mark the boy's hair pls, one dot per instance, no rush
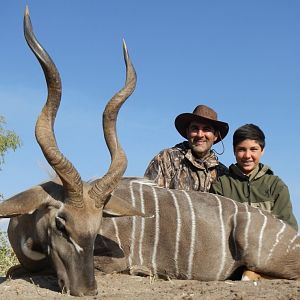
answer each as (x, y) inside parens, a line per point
(251, 132)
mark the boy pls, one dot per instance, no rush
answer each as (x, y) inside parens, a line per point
(252, 182)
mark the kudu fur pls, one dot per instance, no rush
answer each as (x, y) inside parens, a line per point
(147, 229)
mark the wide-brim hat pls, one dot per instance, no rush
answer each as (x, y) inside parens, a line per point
(202, 114)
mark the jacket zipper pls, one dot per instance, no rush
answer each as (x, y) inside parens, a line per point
(248, 185)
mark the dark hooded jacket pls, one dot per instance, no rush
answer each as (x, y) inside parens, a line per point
(178, 168)
(261, 189)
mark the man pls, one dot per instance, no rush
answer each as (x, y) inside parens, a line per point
(191, 165)
(252, 182)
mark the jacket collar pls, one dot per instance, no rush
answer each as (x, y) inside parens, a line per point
(258, 172)
(210, 161)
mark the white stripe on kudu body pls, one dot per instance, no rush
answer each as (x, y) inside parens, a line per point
(117, 232)
(291, 243)
(133, 225)
(142, 226)
(223, 238)
(202, 236)
(157, 231)
(178, 231)
(234, 225)
(279, 235)
(235, 255)
(193, 233)
(261, 234)
(247, 226)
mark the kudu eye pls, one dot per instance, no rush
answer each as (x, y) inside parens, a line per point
(61, 225)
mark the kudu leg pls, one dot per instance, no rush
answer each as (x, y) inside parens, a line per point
(18, 271)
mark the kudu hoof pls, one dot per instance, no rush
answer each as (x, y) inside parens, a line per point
(252, 276)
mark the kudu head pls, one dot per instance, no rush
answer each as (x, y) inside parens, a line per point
(63, 219)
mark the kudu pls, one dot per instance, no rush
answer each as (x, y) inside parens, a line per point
(147, 230)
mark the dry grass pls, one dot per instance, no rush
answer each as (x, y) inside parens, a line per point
(7, 256)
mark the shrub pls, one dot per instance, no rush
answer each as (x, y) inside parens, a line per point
(7, 256)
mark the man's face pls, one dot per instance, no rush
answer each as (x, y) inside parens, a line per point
(201, 137)
(247, 155)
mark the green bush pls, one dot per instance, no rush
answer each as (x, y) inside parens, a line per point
(8, 140)
(7, 256)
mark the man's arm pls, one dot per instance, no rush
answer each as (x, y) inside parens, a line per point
(156, 171)
(216, 187)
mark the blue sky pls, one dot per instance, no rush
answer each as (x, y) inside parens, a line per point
(242, 58)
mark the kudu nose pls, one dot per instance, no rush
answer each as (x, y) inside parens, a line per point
(80, 291)
(92, 292)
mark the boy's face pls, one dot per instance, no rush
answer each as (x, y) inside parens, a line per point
(247, 155)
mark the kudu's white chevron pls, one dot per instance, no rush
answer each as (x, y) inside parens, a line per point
(59, 224)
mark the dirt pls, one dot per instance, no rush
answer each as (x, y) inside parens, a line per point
(121, 286)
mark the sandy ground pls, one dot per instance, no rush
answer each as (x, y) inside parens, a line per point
(121, 286)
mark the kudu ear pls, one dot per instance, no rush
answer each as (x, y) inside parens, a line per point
(117, 207)
(28, 201)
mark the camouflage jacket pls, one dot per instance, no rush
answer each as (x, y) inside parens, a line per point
(178, 168)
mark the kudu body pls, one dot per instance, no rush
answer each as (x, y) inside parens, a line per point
(153, 230)
(194, 236)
